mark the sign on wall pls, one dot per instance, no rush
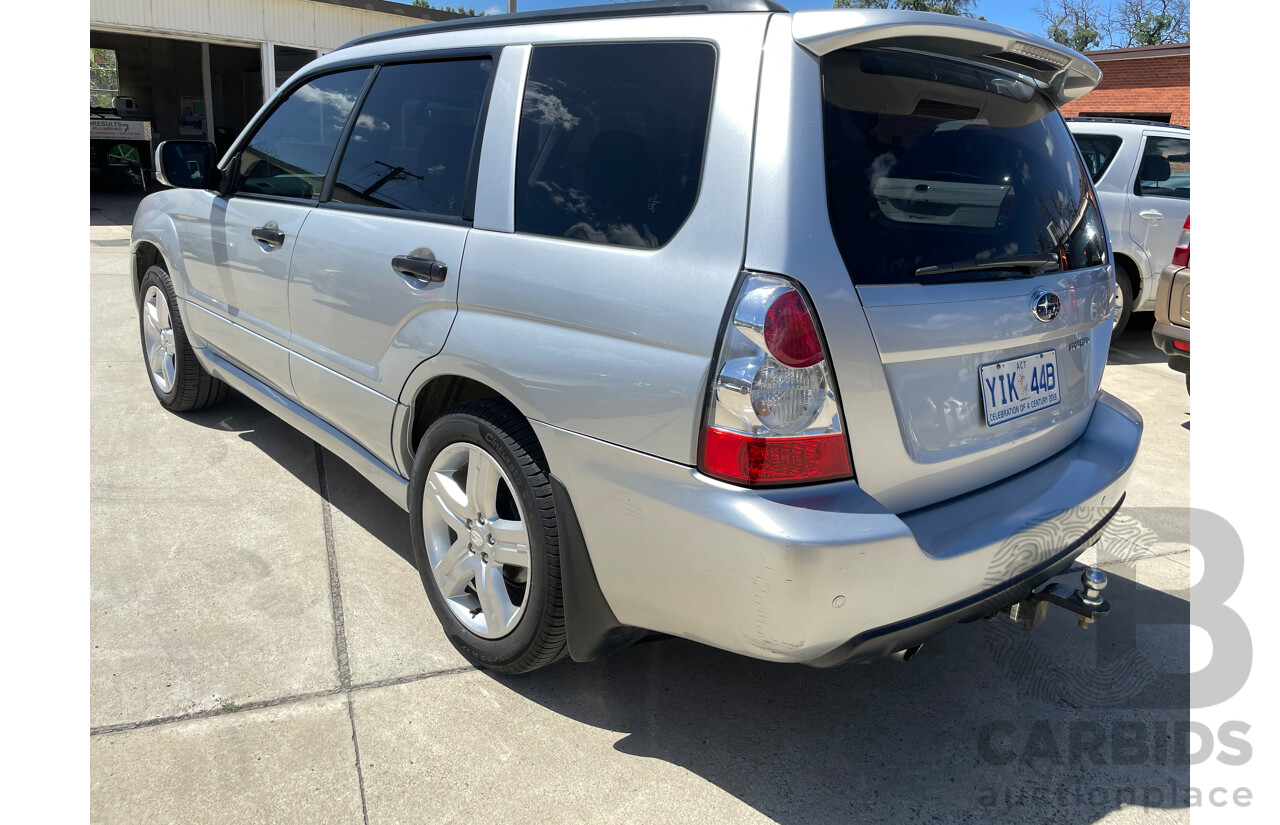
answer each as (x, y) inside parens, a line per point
(110, 129)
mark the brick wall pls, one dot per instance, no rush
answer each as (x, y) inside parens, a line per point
(1154, 85)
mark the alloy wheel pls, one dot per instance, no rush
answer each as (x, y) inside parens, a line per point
(157, 328)
(476, 539)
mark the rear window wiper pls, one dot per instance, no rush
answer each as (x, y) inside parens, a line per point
(1027, 264)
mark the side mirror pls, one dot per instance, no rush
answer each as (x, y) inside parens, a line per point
(187, 164)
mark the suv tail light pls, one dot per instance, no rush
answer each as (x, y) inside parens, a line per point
(773, 416)
(1182, 252)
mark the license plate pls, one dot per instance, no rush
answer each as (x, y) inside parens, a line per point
(1019, 386)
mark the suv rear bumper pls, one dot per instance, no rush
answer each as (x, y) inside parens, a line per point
(824, 574)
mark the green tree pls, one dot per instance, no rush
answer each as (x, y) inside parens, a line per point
(104, 77)
(1115, 24)
(1078, 24)
(960, 8)
(1150, 22)
(468, 11)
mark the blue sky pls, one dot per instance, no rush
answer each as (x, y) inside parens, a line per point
(1017, 14)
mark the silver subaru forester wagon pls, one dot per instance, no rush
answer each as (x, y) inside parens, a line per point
(778, 332)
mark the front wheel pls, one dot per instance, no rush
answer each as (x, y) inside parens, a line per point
(485, 539)
(180, 383)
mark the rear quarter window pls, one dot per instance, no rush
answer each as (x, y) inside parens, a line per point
(611, 141)
(1098, 151)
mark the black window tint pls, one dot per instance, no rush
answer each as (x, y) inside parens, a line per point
(945, 171)
(1165, 170)
(611, 141)
(1098, 152)
(290, 153)
(412, 143)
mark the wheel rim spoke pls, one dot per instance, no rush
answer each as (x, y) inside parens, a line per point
(449, 501)
(457, 569)
(162, 312)
(482, 483)
(168, 370)
(511, 544)
(495, 604)
(155, 358)
(152, 317)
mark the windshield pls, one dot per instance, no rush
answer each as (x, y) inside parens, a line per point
(932, 163)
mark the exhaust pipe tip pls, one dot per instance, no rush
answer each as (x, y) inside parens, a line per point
(906, 654)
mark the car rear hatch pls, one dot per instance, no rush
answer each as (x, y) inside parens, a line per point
(973, 342)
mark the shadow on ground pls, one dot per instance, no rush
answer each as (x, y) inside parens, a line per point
(987, 724)
(1134, 346)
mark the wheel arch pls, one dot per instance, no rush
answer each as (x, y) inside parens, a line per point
(1127, 267)
(145, 255)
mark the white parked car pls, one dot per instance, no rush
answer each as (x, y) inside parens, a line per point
(1141, 171)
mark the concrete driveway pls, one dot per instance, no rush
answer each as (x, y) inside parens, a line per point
(262, 651)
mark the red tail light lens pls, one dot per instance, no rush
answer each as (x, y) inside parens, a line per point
(746, 459)
(773, 417)
(789, 332)
(1182, 252)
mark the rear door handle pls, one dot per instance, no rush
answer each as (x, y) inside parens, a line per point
(424, 269)
(269, 234)
(1150, 215)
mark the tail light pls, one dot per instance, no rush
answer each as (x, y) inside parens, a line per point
(1182, 252)
(773, 417)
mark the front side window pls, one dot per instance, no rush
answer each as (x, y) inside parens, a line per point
(943, 171)
(1098, 152)
(1165, 170)
(412, 144)
(611, 141)
(290, 152)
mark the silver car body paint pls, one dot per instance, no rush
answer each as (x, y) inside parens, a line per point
(607, 351)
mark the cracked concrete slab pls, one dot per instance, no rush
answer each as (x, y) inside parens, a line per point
(292, 763)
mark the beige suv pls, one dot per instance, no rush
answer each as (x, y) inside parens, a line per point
(1172, 330)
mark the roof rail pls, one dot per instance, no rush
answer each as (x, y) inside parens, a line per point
(643, 9)
(1133, 120)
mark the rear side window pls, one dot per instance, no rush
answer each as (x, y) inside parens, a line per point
(611, 140)
(945, 171)
(1098, 152)
(412, 144)
(290, 153)
(1165, 170)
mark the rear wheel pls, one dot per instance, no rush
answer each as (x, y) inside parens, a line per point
(1123, 304)
(177, 378)
(485, 538)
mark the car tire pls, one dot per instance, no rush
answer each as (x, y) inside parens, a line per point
(179, 381)
(485, 538)
(1124, 305)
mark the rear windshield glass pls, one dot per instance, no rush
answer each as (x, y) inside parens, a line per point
(943, 171)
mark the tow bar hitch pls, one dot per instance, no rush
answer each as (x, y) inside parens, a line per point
(1087, 602)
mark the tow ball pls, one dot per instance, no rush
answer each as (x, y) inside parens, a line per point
(1087, 602)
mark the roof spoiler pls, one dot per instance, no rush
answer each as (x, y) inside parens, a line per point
(1062, 73)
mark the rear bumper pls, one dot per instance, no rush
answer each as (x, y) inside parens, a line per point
(1167, 339)
(824, 574)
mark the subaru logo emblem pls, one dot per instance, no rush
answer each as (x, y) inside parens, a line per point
(1045, 306)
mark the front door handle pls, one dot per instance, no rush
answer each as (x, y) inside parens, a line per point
(424, 269)
(269, 234)
(1150, 215)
